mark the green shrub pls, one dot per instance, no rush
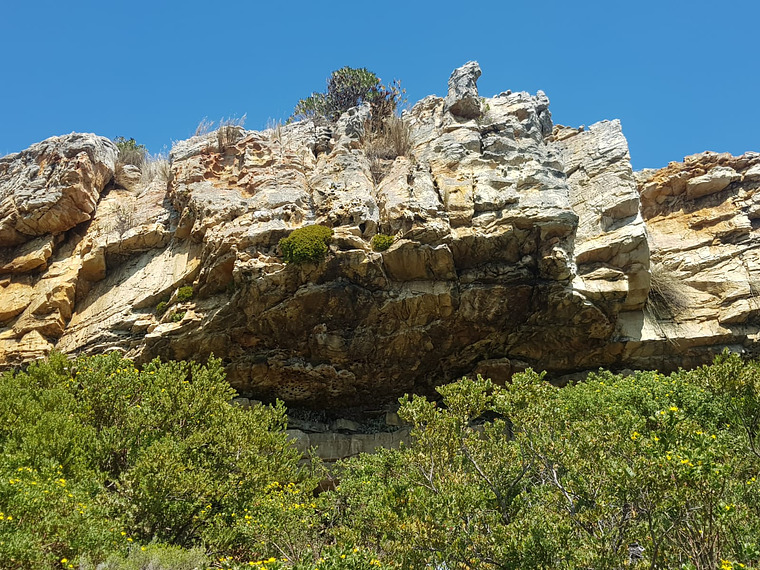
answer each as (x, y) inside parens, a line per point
(97, 457)
(105, 464)
(348, 87)
(307, 244)
(184, 293)
(178, 316)
(161, 307)
(533, 476)
(381, 242)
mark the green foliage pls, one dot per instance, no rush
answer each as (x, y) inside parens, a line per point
(103, 463)
(178, 316)
(184, 293)
(381, 242)
(348, 87)
(98, 456)
(128, 144)
(531, 476)
(306, 244)
(157, 557)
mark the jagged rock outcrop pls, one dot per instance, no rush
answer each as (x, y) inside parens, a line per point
(702, 226)
(517, 243)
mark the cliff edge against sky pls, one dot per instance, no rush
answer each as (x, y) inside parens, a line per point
(516, 243)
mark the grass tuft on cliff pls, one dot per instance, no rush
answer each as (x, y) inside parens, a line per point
(668, 295)
(130, 152)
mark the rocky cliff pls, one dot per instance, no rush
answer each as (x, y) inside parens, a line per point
(517, 243)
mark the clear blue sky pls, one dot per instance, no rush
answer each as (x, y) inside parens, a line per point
(683, 76)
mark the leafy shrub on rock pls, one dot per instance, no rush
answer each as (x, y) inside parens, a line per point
(306, 245)
(348, 87)
(184, 293)
(162, 307)
(381, 242)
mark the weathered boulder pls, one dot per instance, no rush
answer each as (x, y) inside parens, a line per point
(52, 186)
(716, 180)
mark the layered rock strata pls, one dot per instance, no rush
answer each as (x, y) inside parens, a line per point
(516, 243)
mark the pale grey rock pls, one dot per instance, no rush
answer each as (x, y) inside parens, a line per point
(714, 181)
(462, 99)
(127, 176)
(332, 447)
(53, 185)
(753, 173)
(351, 125)
(241, 402)
(343, 424)
(611, 232)
(392, 419)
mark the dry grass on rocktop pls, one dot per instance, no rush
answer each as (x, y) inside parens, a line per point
(228, 131)
(382, 146)
(156, 167)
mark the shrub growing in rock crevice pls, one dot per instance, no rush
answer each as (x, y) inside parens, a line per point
(306, 245)
(386, 136)
(161, 307)
(381, 242)
(185, 293)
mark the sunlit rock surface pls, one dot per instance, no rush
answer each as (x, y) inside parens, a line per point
(517, 243)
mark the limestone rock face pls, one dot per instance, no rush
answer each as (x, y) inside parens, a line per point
(52, 186)
(611, 250)
(516, 244)
(462, 99)
(704, 249)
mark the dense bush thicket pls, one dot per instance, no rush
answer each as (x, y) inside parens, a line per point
(99, 456)
(105, 463)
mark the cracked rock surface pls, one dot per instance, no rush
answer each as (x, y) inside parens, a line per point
(516, 243)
